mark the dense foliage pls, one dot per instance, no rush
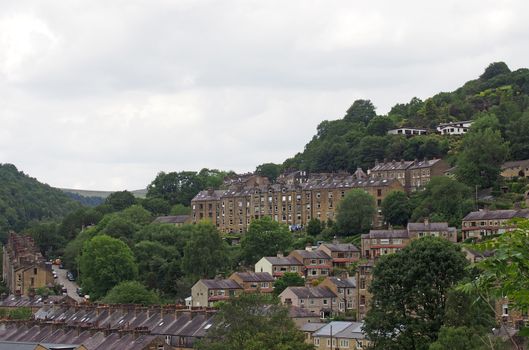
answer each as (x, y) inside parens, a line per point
(265, 237)
(131, 292)
(409, 293)
(23, 199)
(355, 213)
(360, 137)
(253, 321)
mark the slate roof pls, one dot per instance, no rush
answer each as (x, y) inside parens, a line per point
(254, 276)
(314, 254)
(497, 214)
(341, 247)
(515, 164)
(312, 326)
(386, 234)
(424, 163)
(341, 329)
(432, 226)
(175, 219)
(343, 282)
(298, 312)
(312, 292)
(221, 284)
(283, 260)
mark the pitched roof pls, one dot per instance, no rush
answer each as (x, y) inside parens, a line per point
(283, 260)
(334, 327)
(386, 234)
(298, 312)
(497, 214)
(393, 165)
(220, 284)
(313, 254)
(312, 326)
(515, 164)
(431, 226)
(254, 276)
(341, 247)
(311, 292)
(349, 282)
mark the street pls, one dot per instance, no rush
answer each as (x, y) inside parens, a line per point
(71, 286)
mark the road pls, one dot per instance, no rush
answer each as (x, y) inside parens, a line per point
(70, 286)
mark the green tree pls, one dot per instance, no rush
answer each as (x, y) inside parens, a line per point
(131, 292)
(495, 69)
(205, 253)
(396, 208)
(355, 212)
(314, 227)
(265, 237)
(105, 262)
(482, 154)
(157, 206)
(269, 170)
(360, 111)
(289, 279)
(443, 199)
(253, 321)
(180, 209)
(409, 292)
(176, 188)
(380, 125)
(460, 338)
(120, 200)
(518, 136)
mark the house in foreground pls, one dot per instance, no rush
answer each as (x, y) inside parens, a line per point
(336, 335)
(319, 300)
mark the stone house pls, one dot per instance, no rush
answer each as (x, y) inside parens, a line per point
(339, 335)
(515, 169)
(24, 268)
(345, 288)
(278, 265)
(318, 300)
(483, 223)
(254, 282)
(316, 263)
(342, 254)
(206, 292)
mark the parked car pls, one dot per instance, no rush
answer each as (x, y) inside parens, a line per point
(64, 290)
(70, 277)
(79, 292)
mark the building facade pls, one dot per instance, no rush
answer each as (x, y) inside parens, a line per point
(254, 282)
(205, 293)
(479, 224)
(293, 201)
(318, 300)
(345, 288)
(454, 128)
(342, 254)
(24, 267)
(515, 169)
(278, 265)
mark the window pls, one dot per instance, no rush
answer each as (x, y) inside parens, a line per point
(344, 343)
(293, 269)
(325, 302)
(316, 341)
(35, 271)
(362, 300)
(505, 309)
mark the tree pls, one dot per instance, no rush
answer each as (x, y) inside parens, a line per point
(409, 292)
(253, 321)
(180, 209)
(176, 188)
(131, 292)
(314, 227)
(355, 212)
(265, 237)
(204, 253)
(482, 154)
(269, 170)
(105, 262)
(360, 111)
(120, 200)
(458, 338)
(157, 206)
(289, 279)
(396, 208)
(443, 199)
(380, 125)
(518, 136)
(494, 69)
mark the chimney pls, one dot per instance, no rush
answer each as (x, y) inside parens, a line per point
(211, 191)
(280, 255)
(308, 247)
(376, 161)
(385, 160)
(426, 221)
(402, 161)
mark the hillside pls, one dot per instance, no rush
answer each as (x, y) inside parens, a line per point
(24, 199)
(499, 97)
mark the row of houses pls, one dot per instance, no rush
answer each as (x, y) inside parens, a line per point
(453, 128)
(24, 268)
(296, 198)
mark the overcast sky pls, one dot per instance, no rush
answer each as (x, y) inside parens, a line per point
(103, 95)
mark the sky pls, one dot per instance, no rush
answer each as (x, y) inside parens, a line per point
(103, 95)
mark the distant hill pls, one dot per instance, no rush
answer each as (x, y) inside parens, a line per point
(101, 194)
(23, 199)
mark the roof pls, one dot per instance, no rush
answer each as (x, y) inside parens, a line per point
(298, 312)
(311, 292)
(497, 214)
(176, 219)
(283, 260)
(424, 163)
(431, 226)
(341, 329)
(220, 284)
(312, 326)
(254, 276)
(393, 165)
(312, 254)
(515, 164)
(455, 123)
(386, 234)
(341, 247)
(349, 282)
